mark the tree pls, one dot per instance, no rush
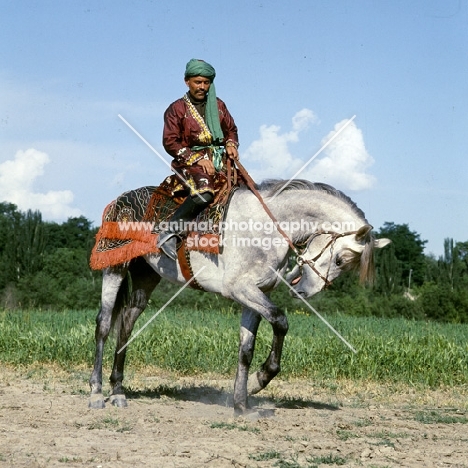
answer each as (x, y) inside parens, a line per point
(43, 263)
(22, 242)
(389, 272)
(408, 251)
(66, 281)
(10, 219)
(462, 253)
(75, 233)
(450, 269)
(30, 243)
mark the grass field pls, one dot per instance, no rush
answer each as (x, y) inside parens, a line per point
(191, 342)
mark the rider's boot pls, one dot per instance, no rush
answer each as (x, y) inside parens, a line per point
(190, 208)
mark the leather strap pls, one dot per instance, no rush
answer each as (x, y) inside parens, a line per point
(229, 174)
(251, 184)
(183, 255)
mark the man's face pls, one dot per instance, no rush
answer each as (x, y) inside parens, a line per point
(198, 87)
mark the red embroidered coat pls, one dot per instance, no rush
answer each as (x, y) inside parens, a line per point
(182, 131)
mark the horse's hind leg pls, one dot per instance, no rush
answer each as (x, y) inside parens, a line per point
(112, 294)
(144, 280)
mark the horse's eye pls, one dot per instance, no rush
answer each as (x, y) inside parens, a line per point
(338, 261)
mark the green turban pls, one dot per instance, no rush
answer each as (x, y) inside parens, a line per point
(201, 68)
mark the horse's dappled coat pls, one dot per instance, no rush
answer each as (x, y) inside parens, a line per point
(244, 273)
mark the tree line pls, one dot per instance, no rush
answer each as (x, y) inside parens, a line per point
(46, 265)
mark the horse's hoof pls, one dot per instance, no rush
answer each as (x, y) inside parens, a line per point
(96, 401)
(118, 400)
(255, 414)
(239, 412)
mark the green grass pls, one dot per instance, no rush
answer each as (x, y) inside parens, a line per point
(344, 434)
(436, 417)
(271, 455)
(329, 460)
(232, 426)
(363, 423)
(292, 462)
(192, 341)
(110, 423)
(70, 460)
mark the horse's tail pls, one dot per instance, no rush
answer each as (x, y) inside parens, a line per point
(121, 302)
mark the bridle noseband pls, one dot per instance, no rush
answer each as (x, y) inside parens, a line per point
(330, 244)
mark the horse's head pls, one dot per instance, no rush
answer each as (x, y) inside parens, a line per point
(328, 254)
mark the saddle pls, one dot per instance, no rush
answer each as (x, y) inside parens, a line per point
(131, 223)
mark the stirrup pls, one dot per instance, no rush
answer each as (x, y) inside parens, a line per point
(167, 242)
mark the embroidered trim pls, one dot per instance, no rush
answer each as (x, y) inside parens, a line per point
(183, 255)
(205, 135)
(194, 157)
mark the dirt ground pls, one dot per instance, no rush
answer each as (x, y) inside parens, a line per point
(188, 422)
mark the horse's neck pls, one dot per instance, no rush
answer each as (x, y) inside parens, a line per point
(321, 210)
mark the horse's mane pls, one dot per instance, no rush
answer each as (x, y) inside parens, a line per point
(274, 187)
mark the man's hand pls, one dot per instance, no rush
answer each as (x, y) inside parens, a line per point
(232, 152)
(207, 166)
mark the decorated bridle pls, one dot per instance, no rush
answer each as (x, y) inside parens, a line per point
(299, 256)
(329, 245)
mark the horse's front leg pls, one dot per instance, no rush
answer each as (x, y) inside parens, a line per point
(129, 317)
(254, 299)
(272, 366)
(144, 280)
(248, 331)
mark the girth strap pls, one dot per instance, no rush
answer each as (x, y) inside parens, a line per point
(183, 255)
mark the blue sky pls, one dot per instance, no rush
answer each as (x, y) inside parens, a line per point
(290, 72)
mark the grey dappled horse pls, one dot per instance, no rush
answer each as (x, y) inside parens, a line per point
(252, 263)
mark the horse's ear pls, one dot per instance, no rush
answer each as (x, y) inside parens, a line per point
(379, 243)
(363, 232)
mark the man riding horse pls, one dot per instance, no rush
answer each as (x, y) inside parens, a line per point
(200, 134)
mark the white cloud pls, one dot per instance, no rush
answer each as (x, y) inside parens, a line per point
(272, 147)
(342, 163)
(303, 119)
(345, 160)
(17, 177)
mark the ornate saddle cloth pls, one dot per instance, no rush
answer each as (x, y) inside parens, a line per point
(131, 223)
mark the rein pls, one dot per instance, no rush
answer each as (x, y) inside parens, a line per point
(251, 184)
(299, 258)
(330, 244)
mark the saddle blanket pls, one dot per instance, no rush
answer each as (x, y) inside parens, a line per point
(131, 224)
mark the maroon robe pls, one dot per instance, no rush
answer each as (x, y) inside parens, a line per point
(184, 129)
